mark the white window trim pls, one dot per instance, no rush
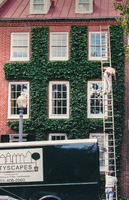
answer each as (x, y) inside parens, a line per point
(98, 58)
(15, 137)
(58, 116)
(89, 115)
(25, 116)
(20, 59)
(84, 12)
(57, 134)
(58, 58)
(47, 4)
(101, 149)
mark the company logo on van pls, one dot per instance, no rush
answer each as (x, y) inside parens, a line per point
(23, 163)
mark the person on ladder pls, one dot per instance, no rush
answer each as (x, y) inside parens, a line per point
(109, 71)
(110, 184)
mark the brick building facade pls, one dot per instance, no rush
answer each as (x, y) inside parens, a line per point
(20, 23)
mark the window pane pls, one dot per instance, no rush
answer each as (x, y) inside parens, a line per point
(64, 111)
(53, 138)
(98, 54)
(86, 7)
(97, 38)
(93, 51)
(92, 39)
(39, 7)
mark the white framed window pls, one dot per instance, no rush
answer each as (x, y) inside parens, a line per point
(84, 6)
(59, 46)
(39, 6)
(103, 149)
(15, 137)
(95, 100)
(20, 47)
(15, 89)
(59, 99)
(57, 136)
(98, 46)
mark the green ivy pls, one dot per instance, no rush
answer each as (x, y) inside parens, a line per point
(77, 70)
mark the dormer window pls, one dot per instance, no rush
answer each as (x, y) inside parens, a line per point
(39, 6)
(84, 6)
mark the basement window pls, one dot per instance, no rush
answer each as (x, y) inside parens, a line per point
(103, 149)
(57, 136)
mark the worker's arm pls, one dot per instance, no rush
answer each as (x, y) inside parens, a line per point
(115, 75)
(108, 173)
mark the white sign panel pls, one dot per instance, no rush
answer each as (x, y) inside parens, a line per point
(21, 165)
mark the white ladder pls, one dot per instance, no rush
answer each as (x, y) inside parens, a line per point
(108, 116)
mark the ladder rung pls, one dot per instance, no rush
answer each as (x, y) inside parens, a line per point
(108, 122)
(111, 165)
(110, 159)
(108, 116)
(111, 152)
(108, 105)
(110, 134)
(108, 128)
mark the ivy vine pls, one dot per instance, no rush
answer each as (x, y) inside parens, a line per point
(77, 70)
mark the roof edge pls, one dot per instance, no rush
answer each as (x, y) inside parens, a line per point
(52, 19)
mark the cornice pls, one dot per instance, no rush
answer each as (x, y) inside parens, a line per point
(56, 21)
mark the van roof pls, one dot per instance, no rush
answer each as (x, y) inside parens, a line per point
(47, 143)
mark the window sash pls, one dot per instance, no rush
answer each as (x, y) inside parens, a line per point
(59, 46)
(59, 99)
(103, 155)
(15, 89)
(84, 6)
(15, 137)
(57, 136)
(98, 46)
(38, 5)
(19, 46)
(95, 100)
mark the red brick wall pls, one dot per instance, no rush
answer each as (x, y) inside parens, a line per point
(5, 38)
(6, 28)
(124, 179)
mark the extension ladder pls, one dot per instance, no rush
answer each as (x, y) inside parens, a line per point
(108, 112)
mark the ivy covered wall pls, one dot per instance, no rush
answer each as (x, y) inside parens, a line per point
(77, 70)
